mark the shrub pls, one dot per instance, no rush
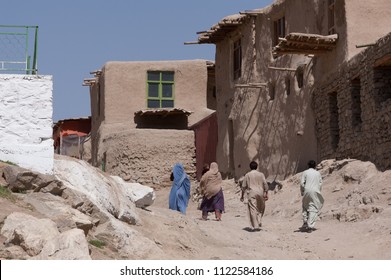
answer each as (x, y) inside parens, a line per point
(8, 162)
(6, 193)
(97, 243)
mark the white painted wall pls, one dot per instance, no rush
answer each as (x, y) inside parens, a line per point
(26, 111)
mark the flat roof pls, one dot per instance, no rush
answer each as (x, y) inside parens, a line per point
(303, 43)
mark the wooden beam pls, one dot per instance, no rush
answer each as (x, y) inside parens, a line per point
(89, 82)
(192, 43)
(365, 45)
(251, 12)
(96, 72)
(251, 85)
(297, 51)
(282, 69)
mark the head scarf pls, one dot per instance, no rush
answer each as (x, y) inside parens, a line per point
(211, 182)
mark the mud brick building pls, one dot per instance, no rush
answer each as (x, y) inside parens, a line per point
(353, 108)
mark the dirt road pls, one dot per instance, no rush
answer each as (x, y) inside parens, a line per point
(188, 237)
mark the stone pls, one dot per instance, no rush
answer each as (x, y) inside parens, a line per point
(102, 191)
(28, 232)
(56, 209)
(142, 196)
(129, 243)
(69, 245)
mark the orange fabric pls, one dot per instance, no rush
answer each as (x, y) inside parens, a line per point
(72, 132)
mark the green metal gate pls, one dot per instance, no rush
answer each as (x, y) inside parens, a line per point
(18, 49)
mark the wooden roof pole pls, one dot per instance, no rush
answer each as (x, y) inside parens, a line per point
(282, 69)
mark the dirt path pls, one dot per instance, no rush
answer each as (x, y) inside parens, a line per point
(355, 223)
(188, 237)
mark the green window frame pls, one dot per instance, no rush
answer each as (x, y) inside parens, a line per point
(160, 89)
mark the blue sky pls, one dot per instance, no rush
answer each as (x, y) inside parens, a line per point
(79, 36)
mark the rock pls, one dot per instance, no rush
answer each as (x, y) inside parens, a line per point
(129, 243)
(22, 180)
(101, 190)
(69, 245)
(14, 252)
(54, 187)
(80, 201)
(28, 232)
(56, 209)
(142, 196)
(357, 171)
(327, 167)
(19, 179)
(155, 180)
(337, 189)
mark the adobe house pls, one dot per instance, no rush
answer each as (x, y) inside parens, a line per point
(71, 137)
(142, 112)
(353, 114)
(272, 65)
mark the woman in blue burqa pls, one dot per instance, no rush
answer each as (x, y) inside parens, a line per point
(180, 190)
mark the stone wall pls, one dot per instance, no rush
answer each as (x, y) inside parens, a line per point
(353, 108)
(26, 121)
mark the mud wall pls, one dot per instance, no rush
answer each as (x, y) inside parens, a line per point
(147, 156)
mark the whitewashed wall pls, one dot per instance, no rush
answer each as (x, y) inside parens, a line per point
(26, 111)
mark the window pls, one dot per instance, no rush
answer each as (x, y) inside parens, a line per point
(237, 67)
(300, 76)
(334, 120)
(272, 91)
(98, 97)
(160, 87)
(279, 30)
(382, 84)
(331, 17)
(355, 90)
(287, 85)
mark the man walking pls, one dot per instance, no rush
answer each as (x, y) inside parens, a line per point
(256, 187)
(310, 187)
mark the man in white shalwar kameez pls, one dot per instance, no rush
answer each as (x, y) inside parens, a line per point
(311, 187)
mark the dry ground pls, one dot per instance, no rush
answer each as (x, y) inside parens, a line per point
(348, 229)
(191, 238)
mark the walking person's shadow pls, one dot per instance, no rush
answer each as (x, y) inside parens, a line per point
(251, 229)
(303, 229)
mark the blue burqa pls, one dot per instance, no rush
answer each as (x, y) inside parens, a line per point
(180, 190)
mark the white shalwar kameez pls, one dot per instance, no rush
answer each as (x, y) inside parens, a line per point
(311, 186)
